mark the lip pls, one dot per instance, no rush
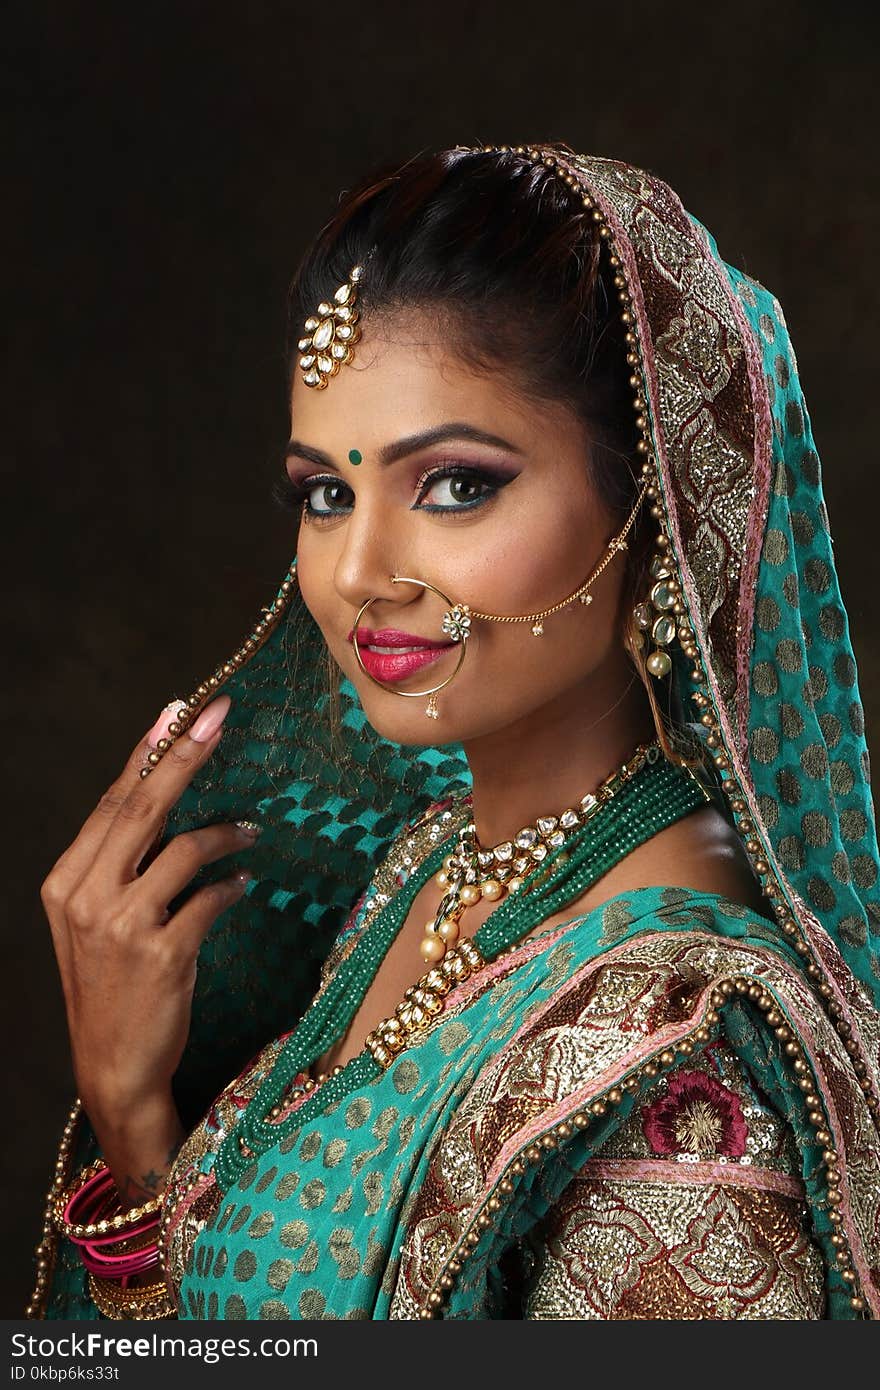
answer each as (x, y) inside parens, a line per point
(391, 667)
(393, 637)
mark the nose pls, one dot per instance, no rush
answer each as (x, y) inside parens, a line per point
(367, 560)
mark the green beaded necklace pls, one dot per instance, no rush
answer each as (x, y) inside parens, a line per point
(656, 796)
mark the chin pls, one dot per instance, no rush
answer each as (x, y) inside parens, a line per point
(411, 727)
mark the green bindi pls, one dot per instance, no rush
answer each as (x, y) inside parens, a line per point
(355, 456)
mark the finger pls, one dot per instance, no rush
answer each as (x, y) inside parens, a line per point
(80, 854)
(53, 906)
(157, 742)
(182, 857)
(191, 924)
(141, 814)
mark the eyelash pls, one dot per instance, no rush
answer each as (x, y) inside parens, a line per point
(291, 495)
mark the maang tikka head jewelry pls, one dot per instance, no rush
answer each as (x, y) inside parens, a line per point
(333, 330)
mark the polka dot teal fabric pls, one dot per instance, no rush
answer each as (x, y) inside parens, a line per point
(808, 754)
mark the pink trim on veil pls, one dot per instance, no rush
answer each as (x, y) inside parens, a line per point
(705, 1172)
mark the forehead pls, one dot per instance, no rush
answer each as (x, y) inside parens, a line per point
(406, 376)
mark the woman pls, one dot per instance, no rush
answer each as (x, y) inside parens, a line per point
(595, 1034)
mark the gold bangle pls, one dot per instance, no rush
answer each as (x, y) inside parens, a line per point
(149, 1301)
(120, 1221)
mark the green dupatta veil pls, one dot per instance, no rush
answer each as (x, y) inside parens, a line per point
(774, 683)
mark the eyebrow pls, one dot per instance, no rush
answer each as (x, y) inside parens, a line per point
(401, 448)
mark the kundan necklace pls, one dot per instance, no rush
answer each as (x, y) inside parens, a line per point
(642, 797)
(472, 872)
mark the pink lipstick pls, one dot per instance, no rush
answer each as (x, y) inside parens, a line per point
(391, 655)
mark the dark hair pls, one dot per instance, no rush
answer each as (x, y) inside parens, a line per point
(505, 253)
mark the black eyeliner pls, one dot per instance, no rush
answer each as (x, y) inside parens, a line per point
(290, 495)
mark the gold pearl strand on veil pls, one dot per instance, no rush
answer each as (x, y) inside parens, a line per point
(46, 1251)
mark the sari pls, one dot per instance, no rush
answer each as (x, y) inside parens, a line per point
(666, 1107)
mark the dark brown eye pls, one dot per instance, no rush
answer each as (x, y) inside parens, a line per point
(463, 489)
(323, 497)
(328, 496)
(458, 488)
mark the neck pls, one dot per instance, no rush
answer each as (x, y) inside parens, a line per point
(551, 758)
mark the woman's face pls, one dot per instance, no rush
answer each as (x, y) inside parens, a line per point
(498, 513)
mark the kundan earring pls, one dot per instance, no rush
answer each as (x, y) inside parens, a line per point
(655, 618)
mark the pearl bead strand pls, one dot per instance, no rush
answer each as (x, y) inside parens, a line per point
(472, 873)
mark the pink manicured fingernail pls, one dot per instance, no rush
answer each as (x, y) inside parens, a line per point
(210, 719)
(160, 728)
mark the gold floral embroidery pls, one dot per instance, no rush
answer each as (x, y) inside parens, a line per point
(627, 1250)
(605, 1030)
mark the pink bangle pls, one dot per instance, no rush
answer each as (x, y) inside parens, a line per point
(121, 1267)
(88, 1215)
(134, 1251)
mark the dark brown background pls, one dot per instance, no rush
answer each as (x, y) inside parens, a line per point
(167, 166)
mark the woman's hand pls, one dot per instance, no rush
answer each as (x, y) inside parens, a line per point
(128, 970)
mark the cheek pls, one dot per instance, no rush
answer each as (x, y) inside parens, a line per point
(333, 617)
(312, 578)
(535, 554)
(533, 563)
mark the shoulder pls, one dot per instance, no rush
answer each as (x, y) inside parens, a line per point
(701, 1188)
(602, 1043)
(701, 852)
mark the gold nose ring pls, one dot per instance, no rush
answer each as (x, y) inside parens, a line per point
(459, 632)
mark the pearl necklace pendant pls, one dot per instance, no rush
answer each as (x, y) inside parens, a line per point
(471, 872)
(465, 884)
